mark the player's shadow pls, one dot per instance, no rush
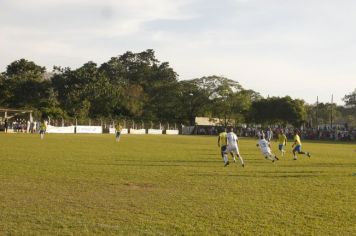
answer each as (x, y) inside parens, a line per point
(169, 161)
(156, 163)
(264, 174)
(331, 165)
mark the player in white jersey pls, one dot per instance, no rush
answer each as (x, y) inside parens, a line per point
(269, 134)
(232, 140)
(265, 147)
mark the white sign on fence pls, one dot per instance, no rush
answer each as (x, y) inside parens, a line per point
(154, 131)
(172, 132)
(137, 131)
(123, 131)
(83, 129)
(60, 129)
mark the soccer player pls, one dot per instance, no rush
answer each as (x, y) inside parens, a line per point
(6, 125)
(298, 145)
(265, 147)
(118, 129)
(282, 141)
(269, 134)
(222, 142)
(232, 140)
(43, 128)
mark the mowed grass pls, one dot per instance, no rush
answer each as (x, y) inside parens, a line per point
(171, 185)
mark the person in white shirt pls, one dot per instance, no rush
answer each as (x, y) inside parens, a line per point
(265, 147)
(232, 147)
(269, 134)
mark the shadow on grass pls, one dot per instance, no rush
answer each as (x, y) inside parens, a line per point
(172, 161)
(155, 163)
(328, 165)
(256, 175)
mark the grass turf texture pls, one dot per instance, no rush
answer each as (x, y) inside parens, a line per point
(88, 184)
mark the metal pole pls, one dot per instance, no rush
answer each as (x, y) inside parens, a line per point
(317, 118)
(331, 115)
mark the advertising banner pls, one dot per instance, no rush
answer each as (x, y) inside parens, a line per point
(83, 129)
(137, 131)
(60, 129)
(172, 132)
(155, 131)
(123, 131)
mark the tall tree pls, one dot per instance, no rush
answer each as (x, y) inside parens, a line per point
(24, 84)
(350, 99)
(274, 110)
(193, 101)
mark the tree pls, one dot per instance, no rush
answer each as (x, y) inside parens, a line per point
(228, 100)
(193, 101)
(350, 99)
(4, 93)
(24, 84)
(24, 70)
(274, 110)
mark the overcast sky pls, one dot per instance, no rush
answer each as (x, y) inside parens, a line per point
(301, 48)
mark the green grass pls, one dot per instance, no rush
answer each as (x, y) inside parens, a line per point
(166, 185)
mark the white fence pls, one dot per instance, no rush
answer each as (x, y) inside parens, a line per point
(137, 131)
(172, 132)
(60, 130)
(155, 131)
(83, 129)
(123, 131)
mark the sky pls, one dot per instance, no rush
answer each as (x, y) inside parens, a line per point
(303, 48)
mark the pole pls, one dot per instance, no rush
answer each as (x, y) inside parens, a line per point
(316, 112)
(331, 115)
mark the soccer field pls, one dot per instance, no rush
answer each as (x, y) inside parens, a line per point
(169, 185)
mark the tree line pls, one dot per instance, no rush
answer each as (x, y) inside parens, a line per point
(138, 86)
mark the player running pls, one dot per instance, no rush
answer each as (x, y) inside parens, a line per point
(269, 134)
(298, 145)
(118, 129)
(222, 142)
(265, 147)
(282, 141)
(232, 140)
(43, 128)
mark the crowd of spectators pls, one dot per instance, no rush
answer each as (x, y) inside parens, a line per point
(310, 134)
(19, 126)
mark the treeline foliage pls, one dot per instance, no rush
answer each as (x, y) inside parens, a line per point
(137, 86)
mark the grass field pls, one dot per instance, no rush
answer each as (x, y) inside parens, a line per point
(166, 185)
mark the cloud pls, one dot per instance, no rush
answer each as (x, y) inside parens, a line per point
(90, 18)
(275, 47)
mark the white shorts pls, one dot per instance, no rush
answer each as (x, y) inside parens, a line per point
(233, 149)
(268, 154)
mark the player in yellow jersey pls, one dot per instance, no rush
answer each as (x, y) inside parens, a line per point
(298, 145)
(118, 129)
(222, 143)
(282, 141)
(43, 128)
